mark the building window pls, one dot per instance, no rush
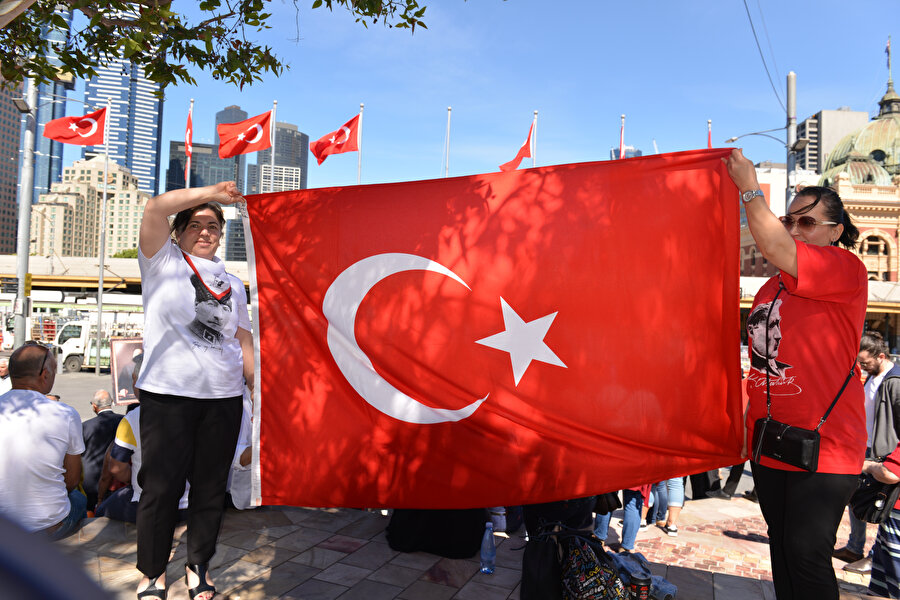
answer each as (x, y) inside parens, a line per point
(874, 246)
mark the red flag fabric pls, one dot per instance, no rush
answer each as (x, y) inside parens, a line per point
(524, 152)
(345, 139)
(498, 340)
(188, 146)
(242, 137)
(81, 131)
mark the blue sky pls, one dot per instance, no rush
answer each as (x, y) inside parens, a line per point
(668, 66)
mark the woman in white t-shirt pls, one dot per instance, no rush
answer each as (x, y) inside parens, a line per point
(198, 352)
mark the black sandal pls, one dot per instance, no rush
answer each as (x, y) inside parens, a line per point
(202, 586)
(152, 591)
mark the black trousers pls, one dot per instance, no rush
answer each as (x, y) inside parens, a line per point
(183, 438)
(803, 511)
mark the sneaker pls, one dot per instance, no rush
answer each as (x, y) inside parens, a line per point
(643, 527)
(672, 530)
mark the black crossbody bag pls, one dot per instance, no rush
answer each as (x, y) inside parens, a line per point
(795, 446)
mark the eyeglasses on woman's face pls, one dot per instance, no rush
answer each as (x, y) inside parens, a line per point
(804, 223)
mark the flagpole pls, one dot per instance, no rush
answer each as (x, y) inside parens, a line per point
(622, 139)
(709, 133)
(447, 146)
(273, 126)
(103, 231)
(534, 142)
(359, 144)
(187, 171)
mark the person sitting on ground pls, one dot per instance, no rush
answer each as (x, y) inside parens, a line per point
(99, 433)
(124, 464)
(40, 464)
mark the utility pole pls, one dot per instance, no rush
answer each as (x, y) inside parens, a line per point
(26, 183)
(791, 164)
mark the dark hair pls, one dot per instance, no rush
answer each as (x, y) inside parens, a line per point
(29, 360)
(182, 219)
(873, 343)
(834, 211)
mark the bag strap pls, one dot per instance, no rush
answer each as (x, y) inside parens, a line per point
(768, 391)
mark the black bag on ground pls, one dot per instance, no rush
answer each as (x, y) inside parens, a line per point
(873, 500)
(447, 533)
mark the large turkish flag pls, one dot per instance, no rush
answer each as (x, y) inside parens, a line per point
(498, 339)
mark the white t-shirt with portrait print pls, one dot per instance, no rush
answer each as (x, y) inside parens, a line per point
(190, 348)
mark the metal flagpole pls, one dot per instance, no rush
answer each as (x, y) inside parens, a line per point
(102, 245)
(188, 147)
(272, 124)
(622, 139)
(534, 142)
(447, 147)
(359, 144)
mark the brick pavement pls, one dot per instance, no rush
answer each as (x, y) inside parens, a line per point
(721, 553)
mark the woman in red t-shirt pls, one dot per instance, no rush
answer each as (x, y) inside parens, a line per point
(804, 331)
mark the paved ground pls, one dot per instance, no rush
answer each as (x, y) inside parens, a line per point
(721, 552)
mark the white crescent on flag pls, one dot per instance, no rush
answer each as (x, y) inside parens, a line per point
(346, 131)
(258, 136)
(93, 129)
(341, 302)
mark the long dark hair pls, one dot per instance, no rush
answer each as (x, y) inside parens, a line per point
(182, 219)
(834, 211)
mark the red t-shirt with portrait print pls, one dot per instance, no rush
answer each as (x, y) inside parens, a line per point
(822, 312)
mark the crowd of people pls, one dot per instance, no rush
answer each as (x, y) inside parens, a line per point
(170, 458)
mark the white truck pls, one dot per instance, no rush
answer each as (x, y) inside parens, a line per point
(76, 342)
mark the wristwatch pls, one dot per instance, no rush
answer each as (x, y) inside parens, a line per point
(748, 196)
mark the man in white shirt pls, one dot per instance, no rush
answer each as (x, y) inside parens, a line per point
(40, 465)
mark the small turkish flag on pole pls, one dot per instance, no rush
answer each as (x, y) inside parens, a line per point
(242, 137)
(345, 139)
(622, 139)
(82, 131)
(524, 152)
(709, 133)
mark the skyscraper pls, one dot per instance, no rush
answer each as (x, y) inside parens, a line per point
(9, 172)
(291, 160)
(232, 114)
(135, 124)
(206, 166)
(51, 105)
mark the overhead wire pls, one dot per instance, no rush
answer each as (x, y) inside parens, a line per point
(762, 17)
(763, 58)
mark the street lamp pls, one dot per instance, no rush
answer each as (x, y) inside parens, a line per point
(792, 144)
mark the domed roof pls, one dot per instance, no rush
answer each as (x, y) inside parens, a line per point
(877, 141)
(861, 169)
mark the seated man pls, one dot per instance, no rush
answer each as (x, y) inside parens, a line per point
(40, 465)
(124, 465)
(99, 433)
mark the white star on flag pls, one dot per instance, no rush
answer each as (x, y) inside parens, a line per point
(524, 341)
(73, 127)
(240, 136)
